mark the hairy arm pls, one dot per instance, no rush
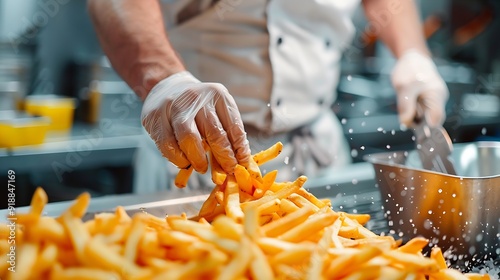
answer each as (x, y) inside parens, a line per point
(133, 36)
(398, 24)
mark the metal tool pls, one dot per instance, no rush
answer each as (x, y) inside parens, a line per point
(434, 147)
(459, 213)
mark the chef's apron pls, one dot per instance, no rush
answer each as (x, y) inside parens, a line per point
(280, 60)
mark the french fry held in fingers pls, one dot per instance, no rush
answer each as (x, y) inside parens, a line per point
(182, 177)
(248, 228)
(266, 155)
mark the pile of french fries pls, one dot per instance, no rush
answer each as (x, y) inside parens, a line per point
(250, 227)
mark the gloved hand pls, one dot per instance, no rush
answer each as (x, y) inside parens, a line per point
(416, 80)
(180, 111)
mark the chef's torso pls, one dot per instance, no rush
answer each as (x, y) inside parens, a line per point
(279, 58)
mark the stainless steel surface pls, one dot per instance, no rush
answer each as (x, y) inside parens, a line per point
(434, 147)
(106, 144)
(10, 94)
(460, 213)
(16, 117)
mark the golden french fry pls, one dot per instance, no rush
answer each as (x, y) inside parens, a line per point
(134, 237)
(26, 218)
(311, 198)
(364, 232)
(350, 232)
(327, 202)
(38, 201)
(219, 197)
(437, 255)
(151, 247)
(209, 205)
(219, 210)
(105, 223)
(312, 225)
(282, 193)
(82, 273)
(253, 169)
(25, 262)
(227, 228)
(176, 238)
(258, 192)
(4, 246)
(360, 218)
(67, 257)
(4, 231)
(260, 269)
(294, 256)
(251, 223)
(266, 155)
(48, 229)
(270, 207)
(477, 276)
(157, 223)
(275, 217)
(365, 272)
(276, 186)
(204, 232)
(381, 242)
(288, 222)
(300, 201)
(121, 215)
(414, 246)
(387, 272)
(243, 179)
(79, 207)
(412, 262)
(102, 257)
(245, 197)
(287, 207)
(45, 260)
(218, 174)
(159, 264)
(318, 257)
(345, 264)
(239, 262)
(191, 270)
(232, 200)
(268, 179)
(77, 233)
(265, 219)
(182, 177)
(284, 271)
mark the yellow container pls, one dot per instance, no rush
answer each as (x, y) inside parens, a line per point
(60, 110)
(23, 131)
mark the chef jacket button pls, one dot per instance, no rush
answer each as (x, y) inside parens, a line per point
(278, 102)
(280, 41)
(327, 43)
(321, 101)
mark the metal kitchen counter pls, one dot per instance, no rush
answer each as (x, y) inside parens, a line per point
(107, 144)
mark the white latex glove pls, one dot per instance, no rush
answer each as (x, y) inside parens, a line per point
(416, 80)
(180, 111)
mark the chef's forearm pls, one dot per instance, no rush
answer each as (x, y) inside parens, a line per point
(132, 35)
(398, 23)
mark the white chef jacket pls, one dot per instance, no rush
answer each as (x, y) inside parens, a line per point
(278, 58)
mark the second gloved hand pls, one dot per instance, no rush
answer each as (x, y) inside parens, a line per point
(180, 111)
(416, 80)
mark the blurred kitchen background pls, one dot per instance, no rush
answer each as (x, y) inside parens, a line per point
(83, 122)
